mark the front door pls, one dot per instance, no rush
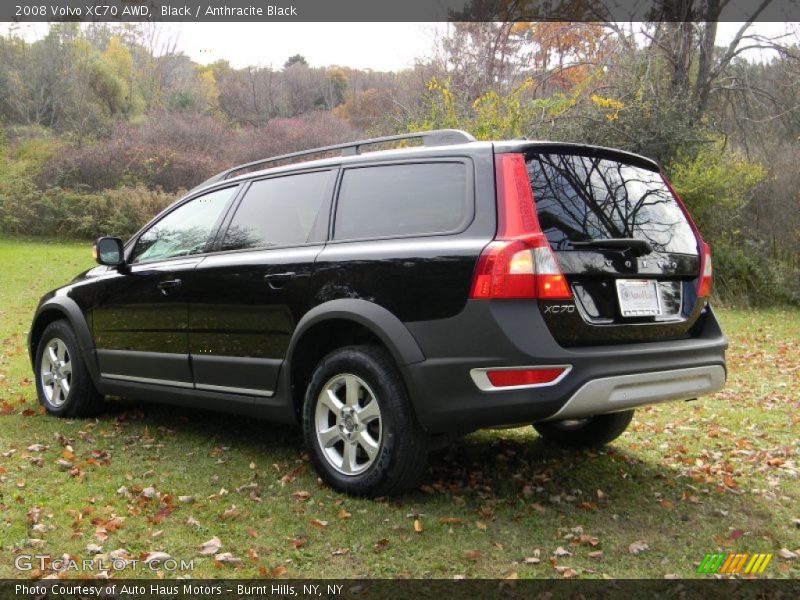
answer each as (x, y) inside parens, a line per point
(140, 316)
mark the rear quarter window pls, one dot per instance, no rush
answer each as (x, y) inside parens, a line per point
(402, 199)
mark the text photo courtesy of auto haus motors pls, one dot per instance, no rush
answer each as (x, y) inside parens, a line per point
(389, 301)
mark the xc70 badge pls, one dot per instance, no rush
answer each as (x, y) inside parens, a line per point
(557, 309)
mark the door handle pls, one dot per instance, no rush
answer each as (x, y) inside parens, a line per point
(277, 280)
(168, 284)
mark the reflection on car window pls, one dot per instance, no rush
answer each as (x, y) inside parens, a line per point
(184, 231)
(278, 212)
(581, 198)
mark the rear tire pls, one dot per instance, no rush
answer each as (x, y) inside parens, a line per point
(591, 432)
(359, 425)
(63, 383)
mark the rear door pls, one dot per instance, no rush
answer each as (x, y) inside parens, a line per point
(246, 298)
(624, 244)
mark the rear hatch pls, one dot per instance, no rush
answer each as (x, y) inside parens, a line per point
(624, 244)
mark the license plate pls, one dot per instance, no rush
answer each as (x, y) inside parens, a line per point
(638, 297)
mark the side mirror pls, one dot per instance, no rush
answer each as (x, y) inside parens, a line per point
(109, 251)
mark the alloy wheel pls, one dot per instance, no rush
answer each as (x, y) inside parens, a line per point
(348, 424)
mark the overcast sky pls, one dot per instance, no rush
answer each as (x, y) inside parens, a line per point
(379, 46)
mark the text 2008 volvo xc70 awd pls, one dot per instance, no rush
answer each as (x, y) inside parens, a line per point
(389, 300)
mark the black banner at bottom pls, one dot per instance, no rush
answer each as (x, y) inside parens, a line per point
(370, 589)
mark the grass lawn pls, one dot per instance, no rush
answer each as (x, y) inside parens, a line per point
(718, 475)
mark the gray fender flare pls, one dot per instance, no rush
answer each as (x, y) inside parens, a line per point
(387, 327)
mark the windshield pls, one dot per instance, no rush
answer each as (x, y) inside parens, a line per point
(583, 198)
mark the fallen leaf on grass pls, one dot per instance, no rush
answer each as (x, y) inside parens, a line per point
(186, 499)
(343, 514)
(340, 552)
(319, 524)
(736, 534)
(566, 572)
(787, 554)
(381, 545)
(150, 557)
(560, 551)
(37, 448)
(472, 554)
(231, 513)
(298, 542)
(300, 496)
(227, 558)
(278, 571)
(532, 560)
(638, 546)
(210, 547)
(589, 540)
(418, 526)
(450, 520)
(596, 554)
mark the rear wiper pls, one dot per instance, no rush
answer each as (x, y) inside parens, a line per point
(641, 247)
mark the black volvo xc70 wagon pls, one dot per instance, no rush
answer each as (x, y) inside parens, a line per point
(390, 300)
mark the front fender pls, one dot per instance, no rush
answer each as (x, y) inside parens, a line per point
(54, 307)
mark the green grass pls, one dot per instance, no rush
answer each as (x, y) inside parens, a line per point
(716, 475)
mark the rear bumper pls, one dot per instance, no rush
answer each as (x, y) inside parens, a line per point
(621, 392)
(601, 378)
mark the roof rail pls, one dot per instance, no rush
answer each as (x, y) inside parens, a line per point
(436, 137)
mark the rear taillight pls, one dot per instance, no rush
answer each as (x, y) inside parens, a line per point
(519, 263)
(706, 279)
(706, 274)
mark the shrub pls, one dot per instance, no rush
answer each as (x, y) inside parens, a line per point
(178, 151)
(747, 274)
(58, 212)
(168, 151)
(716, 184)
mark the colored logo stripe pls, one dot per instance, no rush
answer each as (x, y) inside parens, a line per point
(734, 563)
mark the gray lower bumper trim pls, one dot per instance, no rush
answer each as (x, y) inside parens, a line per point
(612, 394)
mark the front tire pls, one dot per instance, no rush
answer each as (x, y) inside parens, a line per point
(591, 432)
(359, 426)
(63, 383)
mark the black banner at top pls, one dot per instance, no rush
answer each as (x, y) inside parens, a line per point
(392, 10)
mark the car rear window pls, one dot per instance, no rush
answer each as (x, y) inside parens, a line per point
(403, 199)
(583, 198)
(280, 211)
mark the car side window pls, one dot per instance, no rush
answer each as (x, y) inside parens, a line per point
(185, 230)
(280, 211)
(402, 199)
